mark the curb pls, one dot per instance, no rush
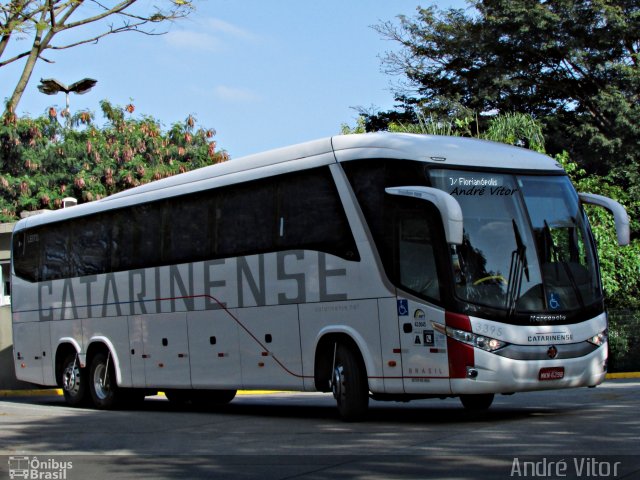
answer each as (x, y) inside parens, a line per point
(58, 391)
(615, 376)
(31, 393)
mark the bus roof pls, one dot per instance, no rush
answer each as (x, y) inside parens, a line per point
(440, 150)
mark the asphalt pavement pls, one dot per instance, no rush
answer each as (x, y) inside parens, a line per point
(580, 433)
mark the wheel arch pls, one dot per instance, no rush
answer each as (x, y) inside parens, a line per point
(99, 344)
(324, 354)
(66, 346)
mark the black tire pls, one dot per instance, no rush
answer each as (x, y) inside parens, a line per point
(74, 382)
(212, 398)
(477, 402)
(349, 385)
(179, 397)
(131, 397)
(102, 382)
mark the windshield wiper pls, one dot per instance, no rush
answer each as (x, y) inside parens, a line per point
(517, 268)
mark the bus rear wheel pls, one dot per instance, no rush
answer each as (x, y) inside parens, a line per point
(349, 385)
(74, 385)
(102, 382)
(477, 402)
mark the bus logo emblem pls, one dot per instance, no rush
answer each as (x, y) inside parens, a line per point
(552, 352)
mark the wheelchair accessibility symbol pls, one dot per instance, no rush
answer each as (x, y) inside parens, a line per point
(403, 308)
(554, 301)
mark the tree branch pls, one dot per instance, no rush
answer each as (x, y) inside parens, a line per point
(106, 13)
(124, 28)
(13, 59)
(14, 20)
(43, 19)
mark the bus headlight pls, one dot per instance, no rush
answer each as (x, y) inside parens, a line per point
(479, 341)
(599, 339)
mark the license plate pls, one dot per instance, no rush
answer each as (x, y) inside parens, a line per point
(551, 373)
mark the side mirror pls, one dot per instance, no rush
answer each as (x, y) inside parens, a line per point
(619, 214)
(448, 207)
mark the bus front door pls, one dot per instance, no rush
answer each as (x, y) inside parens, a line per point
(425, 366)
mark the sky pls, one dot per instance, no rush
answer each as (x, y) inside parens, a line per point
(263, 74)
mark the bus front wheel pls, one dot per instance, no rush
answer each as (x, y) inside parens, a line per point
(349, 385)
(102, 382)
(477, 402)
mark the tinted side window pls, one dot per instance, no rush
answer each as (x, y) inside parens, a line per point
(415, 241)
(246, 223)
(55, 253)
(310, 215)
(148, 242)
(26, 255)
(123, 241)
(301, 210)
(407, 232)
(191, 230)
(368, 179)
(89, 246)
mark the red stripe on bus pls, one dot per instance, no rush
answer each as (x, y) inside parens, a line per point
(461, 355)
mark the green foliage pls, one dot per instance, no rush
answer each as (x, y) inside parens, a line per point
(516, 129)
(434, 125)
(42, 161)
(624, 340)
(345, 129)
(620, 266)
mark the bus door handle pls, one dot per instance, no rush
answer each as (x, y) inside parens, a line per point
(182, 355)
(144, 355)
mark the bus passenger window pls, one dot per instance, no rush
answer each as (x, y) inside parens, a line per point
(90, 245)
(26, 255)
(55, 253)
(247, 224)
(311, 215)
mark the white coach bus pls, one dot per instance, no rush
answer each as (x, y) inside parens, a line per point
(384, 266)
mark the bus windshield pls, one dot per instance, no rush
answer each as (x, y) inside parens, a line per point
(526, 245)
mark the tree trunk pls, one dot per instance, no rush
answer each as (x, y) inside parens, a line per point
(24, 80)
(4, 41)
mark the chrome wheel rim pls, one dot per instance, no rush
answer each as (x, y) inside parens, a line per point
(71, 379)
(101, 382)
(337, 383)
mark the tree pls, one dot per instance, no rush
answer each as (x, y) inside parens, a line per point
(42, 161)
(40, 21)
(572, 64)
